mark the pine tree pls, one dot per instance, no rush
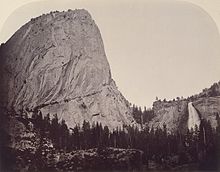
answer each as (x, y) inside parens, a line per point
(46, 124)
(76, 137)
(64, 135)
(86, 134)
(55, 131)
(106, 137)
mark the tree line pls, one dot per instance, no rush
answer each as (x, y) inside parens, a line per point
(200, 145)
(142, 116)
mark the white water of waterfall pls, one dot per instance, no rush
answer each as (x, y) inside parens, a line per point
(193, 117)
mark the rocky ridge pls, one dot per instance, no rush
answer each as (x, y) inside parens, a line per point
(56, 63)
(175, 113)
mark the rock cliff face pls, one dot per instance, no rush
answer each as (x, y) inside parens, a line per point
(208, 107)
(56, 63)
(175, 114)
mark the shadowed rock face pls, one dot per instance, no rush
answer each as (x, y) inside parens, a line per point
(208, 107)
(176, 115)
(56, 63)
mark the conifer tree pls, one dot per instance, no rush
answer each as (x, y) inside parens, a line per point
(64, 135)
(55, 131)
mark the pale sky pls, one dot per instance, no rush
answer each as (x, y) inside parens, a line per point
(164, 48)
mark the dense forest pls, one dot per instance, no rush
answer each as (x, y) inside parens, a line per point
(199, 146)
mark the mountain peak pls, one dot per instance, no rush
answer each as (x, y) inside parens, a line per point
(80, 13)
(56, 64)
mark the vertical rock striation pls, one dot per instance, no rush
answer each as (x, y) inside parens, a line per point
(183, 114)
(56, 63)
(173, 114)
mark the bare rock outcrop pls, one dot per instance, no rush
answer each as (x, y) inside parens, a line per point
(175, 113)
(208, 108)
(56, 63)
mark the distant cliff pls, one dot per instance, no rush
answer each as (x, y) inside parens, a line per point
(175, 113)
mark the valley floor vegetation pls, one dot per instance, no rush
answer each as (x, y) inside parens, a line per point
(54, 147)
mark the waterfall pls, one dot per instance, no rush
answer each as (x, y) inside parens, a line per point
(194, 118)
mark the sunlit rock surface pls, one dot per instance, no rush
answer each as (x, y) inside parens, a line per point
(183, 114)
(173, 114)
(56, 63)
